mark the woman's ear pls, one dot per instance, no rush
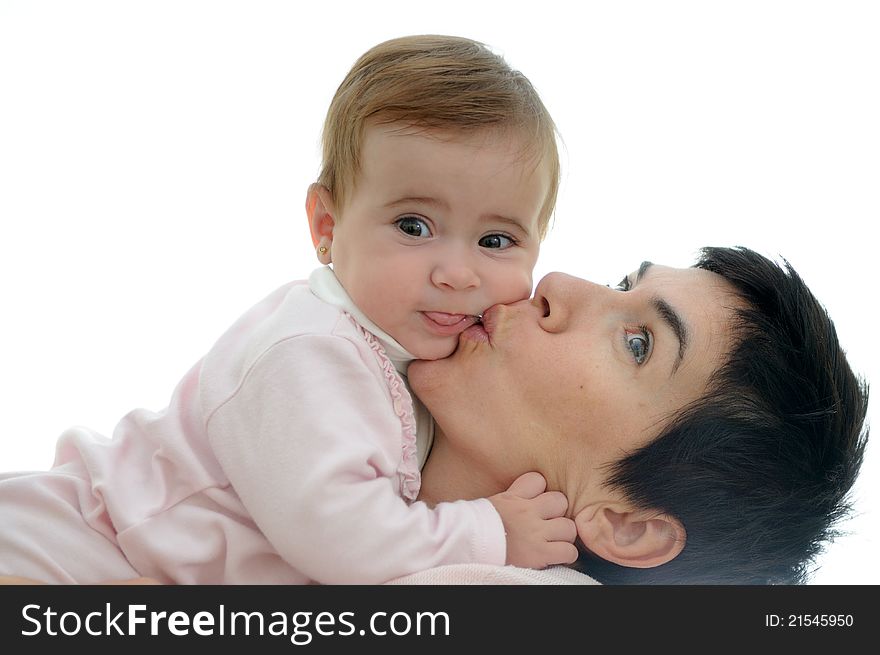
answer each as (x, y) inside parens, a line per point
(321, 214)
(636, 538)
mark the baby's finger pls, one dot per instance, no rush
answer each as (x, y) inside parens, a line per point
(560, 529)
(560, 552)
(528, 485)
(552, 504)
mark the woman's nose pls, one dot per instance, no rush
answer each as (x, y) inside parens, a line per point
(564, 298)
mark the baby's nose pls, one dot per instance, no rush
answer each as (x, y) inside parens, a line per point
(456, 275)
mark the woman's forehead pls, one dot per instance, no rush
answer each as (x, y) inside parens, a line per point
(648, 269)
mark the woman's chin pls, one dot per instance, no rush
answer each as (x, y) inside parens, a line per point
(423, 376)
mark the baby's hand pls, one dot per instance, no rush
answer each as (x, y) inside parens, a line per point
(538, 533)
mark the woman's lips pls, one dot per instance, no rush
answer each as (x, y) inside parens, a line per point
(476, 332)
(490, 319)
(482, 332)
(446, 325)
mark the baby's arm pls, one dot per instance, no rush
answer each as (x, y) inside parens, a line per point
(311, 447)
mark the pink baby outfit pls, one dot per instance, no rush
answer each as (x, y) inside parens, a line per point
(288, 454)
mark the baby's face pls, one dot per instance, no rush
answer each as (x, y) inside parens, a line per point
(437, 229)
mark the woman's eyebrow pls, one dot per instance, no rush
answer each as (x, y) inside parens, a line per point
(669, 316)
(673, 319)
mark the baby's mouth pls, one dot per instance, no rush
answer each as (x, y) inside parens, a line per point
(450, 324)
(442, 318)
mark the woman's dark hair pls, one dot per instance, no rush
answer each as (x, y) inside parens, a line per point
(759, 470)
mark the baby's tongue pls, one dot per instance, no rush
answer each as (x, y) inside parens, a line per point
(443, 318)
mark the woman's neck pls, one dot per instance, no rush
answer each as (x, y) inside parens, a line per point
(450, 475)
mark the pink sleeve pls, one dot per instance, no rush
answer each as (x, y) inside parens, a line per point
(311, 446)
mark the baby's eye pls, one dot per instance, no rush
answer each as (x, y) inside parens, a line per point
(499, 241)
(413, 226)
(639, 344)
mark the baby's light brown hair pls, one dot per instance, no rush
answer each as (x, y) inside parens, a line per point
(434, 82)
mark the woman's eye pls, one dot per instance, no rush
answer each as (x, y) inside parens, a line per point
(412, 226)
(498, 241)
(624, 284)
(639, 344)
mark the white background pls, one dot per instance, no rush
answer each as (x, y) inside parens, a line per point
(154, 158)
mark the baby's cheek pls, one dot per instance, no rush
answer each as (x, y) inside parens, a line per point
(517, 285)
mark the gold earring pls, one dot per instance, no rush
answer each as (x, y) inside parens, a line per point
(322, 250)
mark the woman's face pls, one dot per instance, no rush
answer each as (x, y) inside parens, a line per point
(580, 375)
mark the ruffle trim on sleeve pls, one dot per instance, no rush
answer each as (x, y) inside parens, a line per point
(408, 469)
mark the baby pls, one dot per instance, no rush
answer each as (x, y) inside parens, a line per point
(291, 452)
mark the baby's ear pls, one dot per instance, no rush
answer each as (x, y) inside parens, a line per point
(636, 538)
(321, 214)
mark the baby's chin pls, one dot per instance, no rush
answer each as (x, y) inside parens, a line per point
(439, 349)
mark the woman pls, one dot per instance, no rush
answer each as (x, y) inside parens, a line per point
(580, 368)
(703, 423)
